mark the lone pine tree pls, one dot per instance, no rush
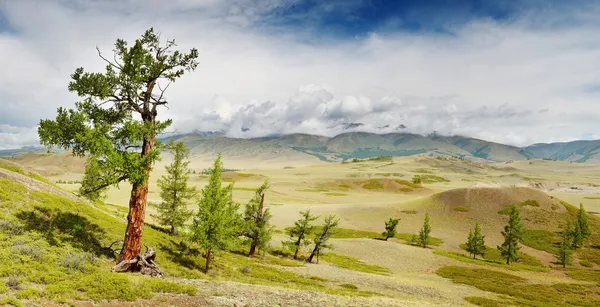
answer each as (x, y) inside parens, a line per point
(323, 236)
(390, 228)
(565, 245)
(256, 221)
(476, 242)
(301, 230)
(512, 234)
(216, 225)
(174, 190)
(424, 233)
(120, 146)
(581, 229)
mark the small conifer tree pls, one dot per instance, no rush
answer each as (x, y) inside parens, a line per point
(581, 229)
(390, 228)
(424, 233)
(476, 242)
(512, 234)
(565, 245)
(323, 236)
(302, 229)
(216, 225)
(256, 221)
(174, 190)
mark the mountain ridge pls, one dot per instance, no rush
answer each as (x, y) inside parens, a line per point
(363, 145)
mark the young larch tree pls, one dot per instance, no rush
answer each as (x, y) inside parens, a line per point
(301, 230)
(424, 233)
(512, 234)
(390, 228)
(476, 242)
(256, 221)
(565, 246)
(323, 236)
(174, 190)
(581, 229)
(115, 124)
(216, 225)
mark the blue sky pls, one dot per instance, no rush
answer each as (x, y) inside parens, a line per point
(517, 72)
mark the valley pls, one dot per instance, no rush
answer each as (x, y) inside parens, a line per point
(363, 194)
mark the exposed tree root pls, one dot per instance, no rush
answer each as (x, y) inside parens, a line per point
(143, 263)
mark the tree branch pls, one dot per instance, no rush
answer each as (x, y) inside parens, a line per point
(107, 61)
(102, 186)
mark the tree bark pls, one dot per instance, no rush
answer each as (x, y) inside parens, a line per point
(252, 250)
(297, 247)
(310, 258)
(260, 214)
(173, 231)
(208, 255)
(132, 244)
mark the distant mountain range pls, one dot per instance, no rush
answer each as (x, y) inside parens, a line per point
(366, 145)
(362, 145)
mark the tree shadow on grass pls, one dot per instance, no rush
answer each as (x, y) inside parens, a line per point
(181, 254)
(65, 227)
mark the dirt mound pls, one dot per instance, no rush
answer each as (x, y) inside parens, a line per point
(51, 164)
(538, 209)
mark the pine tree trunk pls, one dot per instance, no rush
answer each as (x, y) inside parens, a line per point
(252, 250)
(297, 247)
(208, 256)
(173, 231)
(312, 255)
(132, 244)
(260, 214)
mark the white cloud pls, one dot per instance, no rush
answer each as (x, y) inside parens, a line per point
(487, 80)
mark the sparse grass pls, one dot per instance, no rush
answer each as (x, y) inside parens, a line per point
(493, 254)
(409, 211)
(592, 197)
(493, 263)
(349, 286)
(519, 291)
(586, 263)
(335, 194)
(373, 185)
(312, 190)
(9, 300)
(540, 239)
(585, 275)
(407, 237)
(460, 209)
(482, 301)
(431, 178)
(408, 183)
(244, 189)
(354, 264)
(12, 168)
(406, 190)
(381, 159)
(317, 278)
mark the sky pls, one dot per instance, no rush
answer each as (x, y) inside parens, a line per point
(511, 71)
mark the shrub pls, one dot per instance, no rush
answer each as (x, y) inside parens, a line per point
(460, 209)
(11, 228)
(245, 269)
(78, 261)
(35, 252)
(586, 263)
(14, 282)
